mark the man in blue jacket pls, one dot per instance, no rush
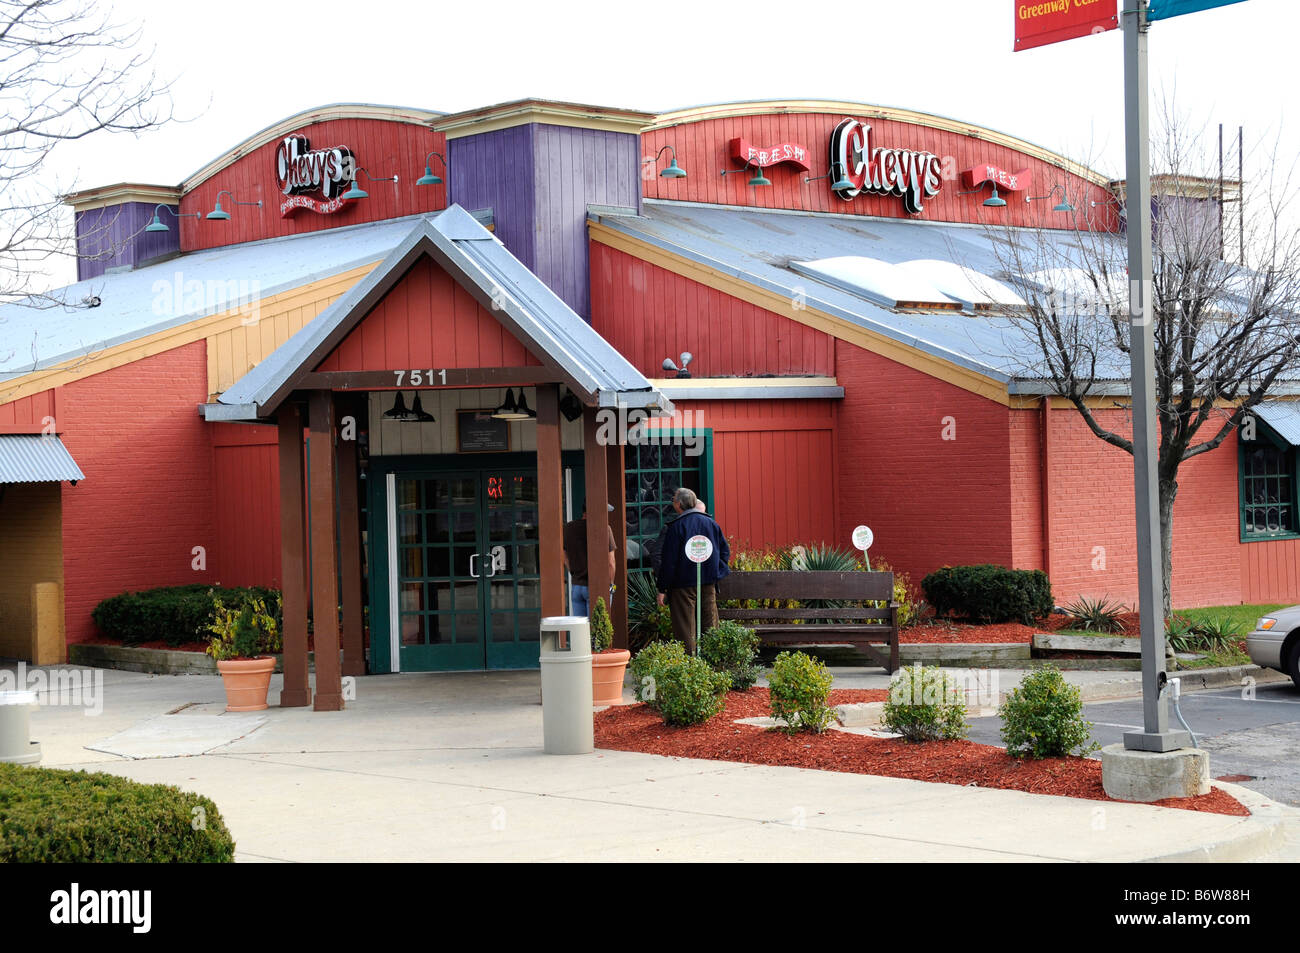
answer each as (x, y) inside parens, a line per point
(676, 575)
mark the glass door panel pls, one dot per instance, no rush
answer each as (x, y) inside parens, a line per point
(513, 580)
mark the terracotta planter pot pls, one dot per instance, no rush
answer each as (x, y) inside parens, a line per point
(607, 670)
(247, 681)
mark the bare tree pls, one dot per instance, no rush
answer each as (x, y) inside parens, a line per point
(66, 72)
(1226, 332)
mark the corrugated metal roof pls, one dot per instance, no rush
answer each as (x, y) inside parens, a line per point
(1283, 417)
(544, 321)
(36, 458)
(57, 327)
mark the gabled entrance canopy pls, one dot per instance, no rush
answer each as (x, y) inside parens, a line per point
(565, 344)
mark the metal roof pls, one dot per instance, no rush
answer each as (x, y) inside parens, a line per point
(58, 327)
(476, 258)
(1283, 417)
(36, 458)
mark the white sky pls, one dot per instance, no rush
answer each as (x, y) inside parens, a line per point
(241, 65)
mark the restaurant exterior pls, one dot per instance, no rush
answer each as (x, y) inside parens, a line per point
(377, 356)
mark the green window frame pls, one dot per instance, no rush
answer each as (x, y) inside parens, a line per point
(1267, 487)
(652, 471)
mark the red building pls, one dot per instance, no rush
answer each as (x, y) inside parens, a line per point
(825, 265)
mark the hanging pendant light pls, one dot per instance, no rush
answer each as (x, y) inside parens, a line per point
(399, 411)
(509, 409)
(525, 412)
(419, 414)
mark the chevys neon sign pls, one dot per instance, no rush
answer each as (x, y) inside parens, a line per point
(911, 175)
(790, 152)
(312, 179)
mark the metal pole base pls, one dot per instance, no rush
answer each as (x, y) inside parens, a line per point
(1157, 741)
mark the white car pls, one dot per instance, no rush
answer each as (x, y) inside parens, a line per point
(1275, 643)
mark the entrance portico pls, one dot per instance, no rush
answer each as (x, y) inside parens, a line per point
(406, 387)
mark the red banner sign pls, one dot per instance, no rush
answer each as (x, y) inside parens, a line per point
(1040, 22)
(320, 206)
(790, 152)
(1010, 181)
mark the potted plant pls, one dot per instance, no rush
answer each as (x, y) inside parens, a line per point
(607, 664)
(244, 644)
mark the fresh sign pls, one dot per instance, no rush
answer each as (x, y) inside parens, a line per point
(699, 549)
(763, 157)
(314, 179)
(1040, 22)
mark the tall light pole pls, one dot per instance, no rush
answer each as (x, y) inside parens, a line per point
(1155, 735)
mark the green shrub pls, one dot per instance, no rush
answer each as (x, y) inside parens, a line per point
(49, 816)
(910, 604)
(988, 593)
(799, 686)
(171, 614)
(248, 632)
(689, 691)
(1097, 615)
(730, 648)
(925, 704)
(648, 664)
(602, 628)
(1043, 718)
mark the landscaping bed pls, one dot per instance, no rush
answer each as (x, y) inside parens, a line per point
(640, 728)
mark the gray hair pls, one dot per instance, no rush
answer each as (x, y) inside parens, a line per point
(685, 499)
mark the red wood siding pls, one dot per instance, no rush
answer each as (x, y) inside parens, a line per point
(27, 414)
(649, 313)
(245, 505)
(773, 471)
(702, 150)
(382, 147)
(427, 320)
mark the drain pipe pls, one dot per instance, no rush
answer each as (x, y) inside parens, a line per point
(1175, 688)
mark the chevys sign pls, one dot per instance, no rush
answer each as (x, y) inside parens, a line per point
(911, 175)
(313, 179)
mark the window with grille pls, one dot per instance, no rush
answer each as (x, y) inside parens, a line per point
(1268, 490)
(653, 472)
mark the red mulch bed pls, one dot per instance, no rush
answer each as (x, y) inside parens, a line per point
(639, 728)
(946, 630)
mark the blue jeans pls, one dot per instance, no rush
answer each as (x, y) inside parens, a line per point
(581, 601)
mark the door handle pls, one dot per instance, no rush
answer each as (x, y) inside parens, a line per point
(472, 557)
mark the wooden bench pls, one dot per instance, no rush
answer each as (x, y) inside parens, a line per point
(871, 631)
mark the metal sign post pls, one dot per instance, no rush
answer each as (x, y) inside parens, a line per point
(698, 551)
(1155, 735)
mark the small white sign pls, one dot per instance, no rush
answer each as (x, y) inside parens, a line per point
(699, 549)
(863, 537)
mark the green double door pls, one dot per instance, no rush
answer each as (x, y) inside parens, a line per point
(466, 590)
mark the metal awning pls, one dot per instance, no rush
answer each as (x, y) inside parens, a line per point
(1283, 417)
(36, 458)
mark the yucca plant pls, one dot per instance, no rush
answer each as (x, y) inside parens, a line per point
(1097, 615)
(647, 620)
(823, 558)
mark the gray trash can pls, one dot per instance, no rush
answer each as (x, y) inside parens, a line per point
(566, 685)
(16, 746)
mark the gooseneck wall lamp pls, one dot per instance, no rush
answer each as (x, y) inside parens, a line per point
(157, 224)
(993, 201)
(357, 192)
(672, 170)
(429, 178)
(218, 214)
(758, 179)
(841, 180)
(1062, 206)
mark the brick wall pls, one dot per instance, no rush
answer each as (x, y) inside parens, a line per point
(146, 501)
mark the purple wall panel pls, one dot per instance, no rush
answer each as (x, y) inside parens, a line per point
(495, 170)
(115, 235)
(575, 168)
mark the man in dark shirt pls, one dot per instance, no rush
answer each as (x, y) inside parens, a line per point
(676, 576)
(575, 560)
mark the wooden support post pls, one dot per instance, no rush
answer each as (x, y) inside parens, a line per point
(597, 480)
(550, 500)
(293, 559)
(354, 652)
(324, 554)
(617, 485)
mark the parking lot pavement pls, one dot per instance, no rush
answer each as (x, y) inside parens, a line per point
(1258, 737)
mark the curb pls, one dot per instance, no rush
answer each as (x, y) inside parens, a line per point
(1193, 680)
(1265, 832)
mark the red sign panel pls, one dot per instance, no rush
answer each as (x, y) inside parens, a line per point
(790, 152)
(976, 176)
(1040, 22)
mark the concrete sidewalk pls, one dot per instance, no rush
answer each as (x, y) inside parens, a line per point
(449, 767)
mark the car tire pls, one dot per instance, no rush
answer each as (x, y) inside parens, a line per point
(1293, 665)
